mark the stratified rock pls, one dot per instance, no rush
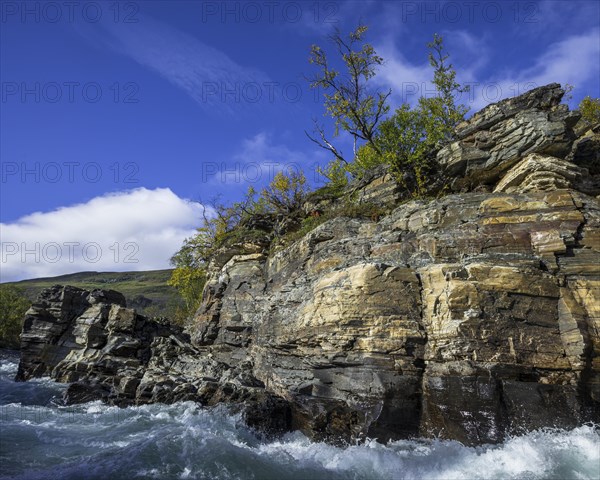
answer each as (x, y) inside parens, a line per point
(542, 173)
(48, 320)
(586, 151)
(471, 317)
(498, 136)
(467, 317)
(377, 187)
(108, 352)
(73, 334)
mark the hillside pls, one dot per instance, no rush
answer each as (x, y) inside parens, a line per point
(147, 292)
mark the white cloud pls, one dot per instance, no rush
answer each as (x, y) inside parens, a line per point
(407, 81)
(574, 59)
(549, 16)
(261, 149)
(134, 230)
(258, 160)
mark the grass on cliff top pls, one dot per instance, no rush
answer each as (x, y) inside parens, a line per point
(147, 292)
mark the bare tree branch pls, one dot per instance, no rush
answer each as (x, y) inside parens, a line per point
(324, 143)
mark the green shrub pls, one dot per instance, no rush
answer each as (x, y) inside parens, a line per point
(189, 282)
(336, 172)
(590, 109)
(367, 158)
(285, 194)
(408, 140)
(368, 210)
(283, 197)
(13, 305)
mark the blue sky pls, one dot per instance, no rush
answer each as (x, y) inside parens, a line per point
(117, 117)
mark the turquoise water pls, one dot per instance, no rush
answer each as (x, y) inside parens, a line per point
(39, 439)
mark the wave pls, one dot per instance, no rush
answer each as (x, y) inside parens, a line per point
(184, 440)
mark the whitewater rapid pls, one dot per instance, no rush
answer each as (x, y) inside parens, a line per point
(40, 439)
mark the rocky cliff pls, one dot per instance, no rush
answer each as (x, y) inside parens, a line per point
(469, 317)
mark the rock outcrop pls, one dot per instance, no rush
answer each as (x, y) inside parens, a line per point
(501, 134)
(108, 352)
(537, 173)
(72, 334)
(469, 317)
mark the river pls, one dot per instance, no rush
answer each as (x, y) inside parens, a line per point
(42, 439)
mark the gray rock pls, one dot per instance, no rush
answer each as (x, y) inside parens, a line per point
(586, 151)
(501, 134)
(428, 322)
(544, 173)
(472, 317)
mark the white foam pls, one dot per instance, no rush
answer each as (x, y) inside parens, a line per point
(8, 367)
(540, 454)
(184, 440)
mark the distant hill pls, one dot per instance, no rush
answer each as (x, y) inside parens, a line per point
(147, 292)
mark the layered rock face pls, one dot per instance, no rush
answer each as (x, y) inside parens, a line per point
(468, 317)
(495, 138)
(108, 352)
(72, 334)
